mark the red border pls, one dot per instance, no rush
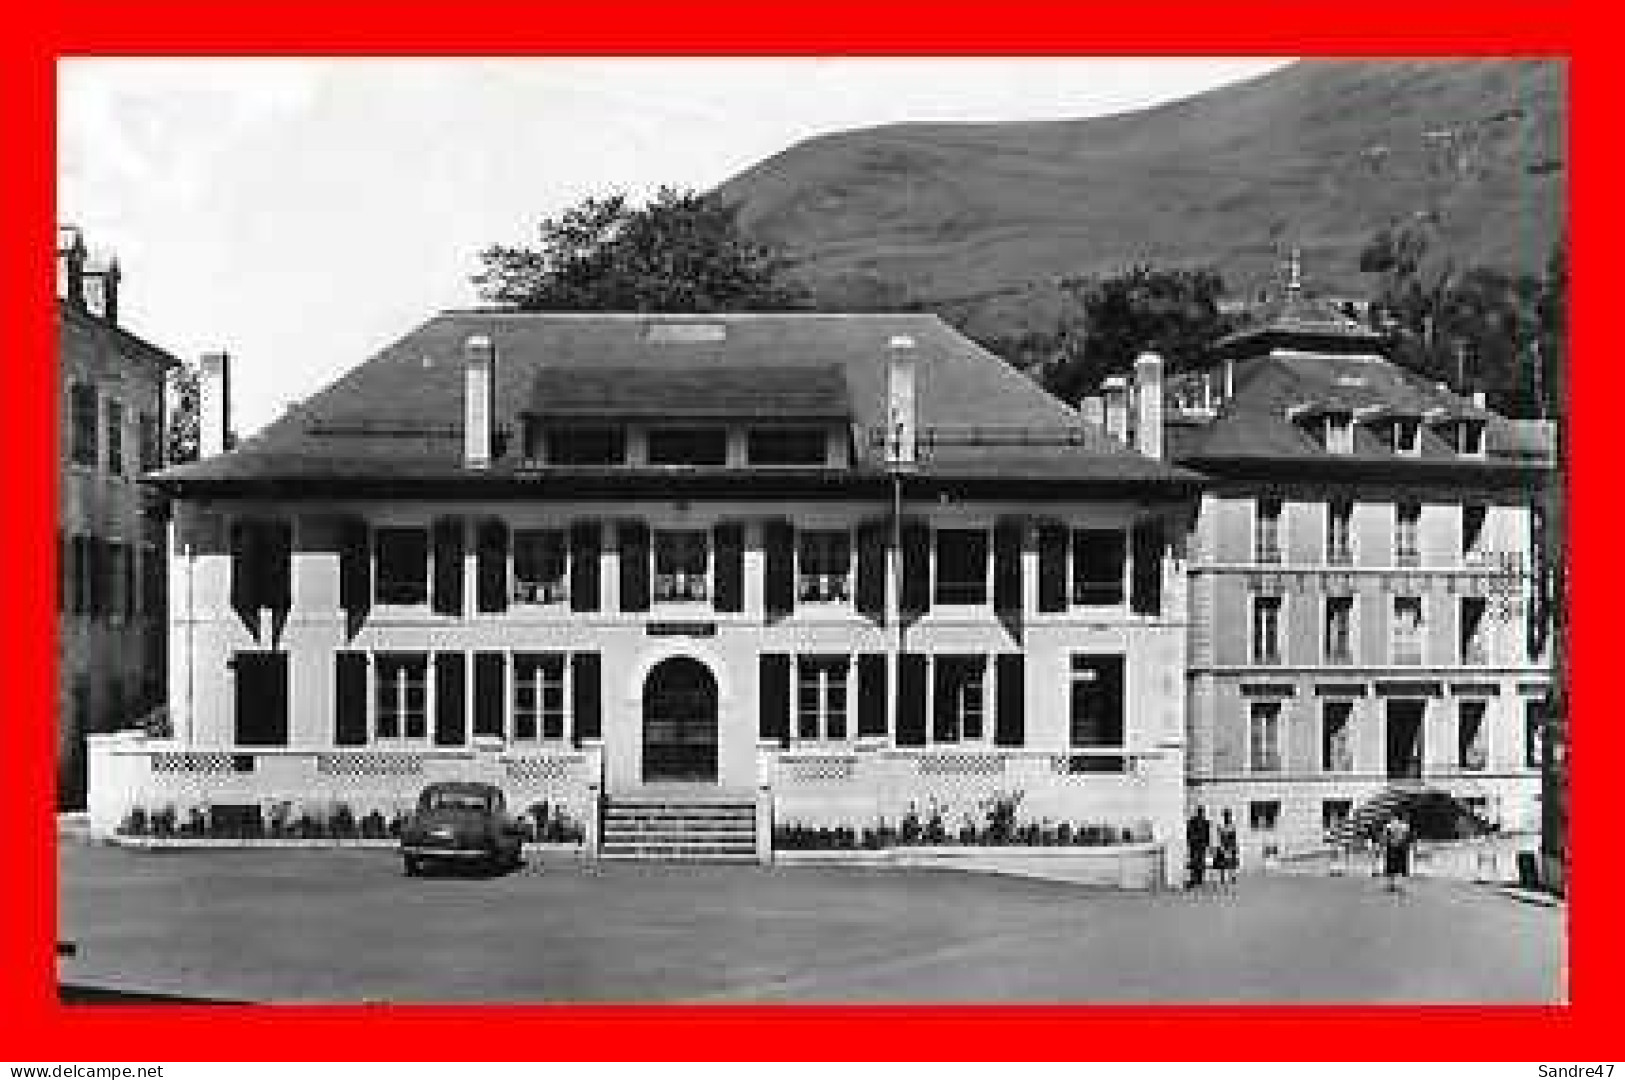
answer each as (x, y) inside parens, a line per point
(38, 1028)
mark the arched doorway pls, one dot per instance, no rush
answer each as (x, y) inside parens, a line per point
(680, 722)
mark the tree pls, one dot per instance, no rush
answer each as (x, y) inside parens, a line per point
(682, 252)
(184, 410)
(1173, 312)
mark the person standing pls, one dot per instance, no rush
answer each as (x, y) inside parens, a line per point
(1227, 857)
(1396, 849)
(1198, 837)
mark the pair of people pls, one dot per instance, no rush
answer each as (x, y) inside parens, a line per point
(1198, 841)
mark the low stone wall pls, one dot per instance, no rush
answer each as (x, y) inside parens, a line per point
(1122, 866)
(130, 771)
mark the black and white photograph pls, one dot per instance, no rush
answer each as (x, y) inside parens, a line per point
(1041, 530)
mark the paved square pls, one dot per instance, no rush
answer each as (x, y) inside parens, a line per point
(333, 925)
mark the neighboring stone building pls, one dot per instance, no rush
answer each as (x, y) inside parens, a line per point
(110, 529)
(1363, 610)
(834, 568)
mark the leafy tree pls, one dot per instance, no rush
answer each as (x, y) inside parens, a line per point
(1173, 312)
(682, 252)
(184, 410)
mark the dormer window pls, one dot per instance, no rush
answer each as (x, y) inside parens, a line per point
(1339, 433)
(1406, 435)
(688, 446)
(787, 446)
(1470, 438)
(582, 446)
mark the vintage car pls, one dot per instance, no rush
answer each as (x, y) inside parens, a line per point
(461, 823)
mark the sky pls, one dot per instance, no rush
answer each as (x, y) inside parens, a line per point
(300, 214)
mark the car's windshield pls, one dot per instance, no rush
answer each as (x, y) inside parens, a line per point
(458, 800)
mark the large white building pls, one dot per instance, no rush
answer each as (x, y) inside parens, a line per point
(844, 570)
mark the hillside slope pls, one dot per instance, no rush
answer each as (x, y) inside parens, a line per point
(987, 217)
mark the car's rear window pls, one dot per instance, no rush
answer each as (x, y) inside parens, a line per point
(458, 800)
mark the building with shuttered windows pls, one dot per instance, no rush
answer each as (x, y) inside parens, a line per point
(840, 568)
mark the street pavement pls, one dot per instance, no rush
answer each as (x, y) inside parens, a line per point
(346, 926)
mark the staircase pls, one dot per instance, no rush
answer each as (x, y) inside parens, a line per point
(686, 829)
(1370, 814)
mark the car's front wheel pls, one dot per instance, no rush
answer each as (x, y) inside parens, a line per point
(412, 865)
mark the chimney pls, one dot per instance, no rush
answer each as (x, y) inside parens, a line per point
(901, 430)
(1093, 408)
(1148, 404)
(214, 404)
(70, 265)
(1115, 391)
(479, 362)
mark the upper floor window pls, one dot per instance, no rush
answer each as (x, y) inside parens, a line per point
(961, 705)
(1407, 630)
(961, 566)
(82, 409)
(115, 437)
(688, 446)
(584, 446)
(1406, 433)
(1264, 744)
(1267, 531)
(1098, 559)
(787, 446)
(1407, 527)
(1340, 532)
(1472, 735)
(152, 445)
(401, 710)
(402, 566)
(1339, 433)
(682, 565)
(1472, 529)
(824, 565)
(538, 696)
(539, 567)
(1340, 629)
(1534, 733)
(1474, 636)
(1266, 629)
(821, 699)
(1337, 736)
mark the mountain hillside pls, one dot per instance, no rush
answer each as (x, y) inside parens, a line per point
(983, 220)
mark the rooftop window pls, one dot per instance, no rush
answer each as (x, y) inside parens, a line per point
(1339, 433)
(787, 446)
(688, 446)
(583, 446)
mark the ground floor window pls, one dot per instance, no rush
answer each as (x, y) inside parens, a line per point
(539, 566)
(961, 699)
(1334, 814)
(821, 698)
(1263, 815)
(1534, 732)
(824, 566)
(682, 560)
(538, 696)
(401, 696)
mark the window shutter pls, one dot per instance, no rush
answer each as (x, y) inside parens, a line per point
(1145, 595)
(773, 720)
(1009, 724)
(1007, 567)
(916, 597)
(1052, 582)
(245, 584)
(355, 567)
(871, 586)
(350, 699)
(944, 723)
(632, 538)
(910, 700)
(491, 566)
(489, 694)
(586, 540)
(872, 695)
(779, 587)
(586, 673)
(449, 697)
(728, 538)
(128, 566)
(447, 598)
(276, 590)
